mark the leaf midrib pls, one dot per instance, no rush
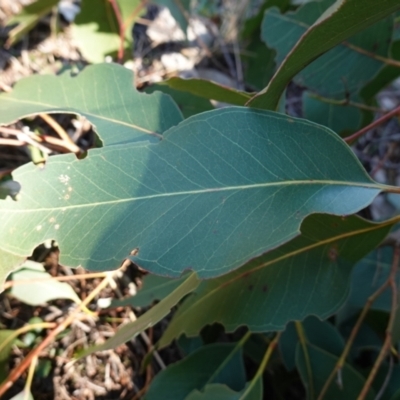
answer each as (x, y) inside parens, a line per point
(328, 183)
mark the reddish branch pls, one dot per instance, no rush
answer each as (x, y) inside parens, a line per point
(121, 27)
(372, 125)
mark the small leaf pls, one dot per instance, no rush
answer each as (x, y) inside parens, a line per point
(189, 104)
(38, 287)
(215, 363)
(7, 338)
(321, 364)
(217, 391)
(307, 276)
(208, 90)
(148, 319)
(319, 333)
(24, 395)
(27, 19)
(96, 29)
(343, 19)
(370, 274)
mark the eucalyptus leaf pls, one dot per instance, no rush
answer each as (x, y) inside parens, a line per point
(216, 391)
(208, 90)
(96, 30)
(318, 34)
(320, 363)
(309, 275)
(215, 363)
(219, 189)
(189, 104)
(148, 319)
(34, 286)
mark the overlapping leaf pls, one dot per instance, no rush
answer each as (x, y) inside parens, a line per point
(104, 94)
(315, 367)
(216, 363)
(96, 29)
(148, 319)
(343, 19)
(343, 70)
(208, 90)
(220, 188)
(308, 276)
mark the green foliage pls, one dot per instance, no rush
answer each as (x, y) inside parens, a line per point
(244, 216)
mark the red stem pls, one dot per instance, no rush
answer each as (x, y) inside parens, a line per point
(377, 122)
(121, 26)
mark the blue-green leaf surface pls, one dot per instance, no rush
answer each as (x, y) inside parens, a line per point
(321, 363)
(308, 276)
(219, 189)
(104, 94)
(215, 363)
(320, 30)
(343, 70)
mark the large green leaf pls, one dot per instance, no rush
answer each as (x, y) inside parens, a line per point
(220, 188)
(104, 94)
(215, 363)
(343, 19)
(307, 276)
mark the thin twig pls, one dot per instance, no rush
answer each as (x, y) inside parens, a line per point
(35, 140)
(60, 131)
(29, 379)
(121, 28)
(342, 359)
(377, 122)
(388, 339)
(388, 61)
(303, 342)
(263, 365)
(11, 142)
(346, 102)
